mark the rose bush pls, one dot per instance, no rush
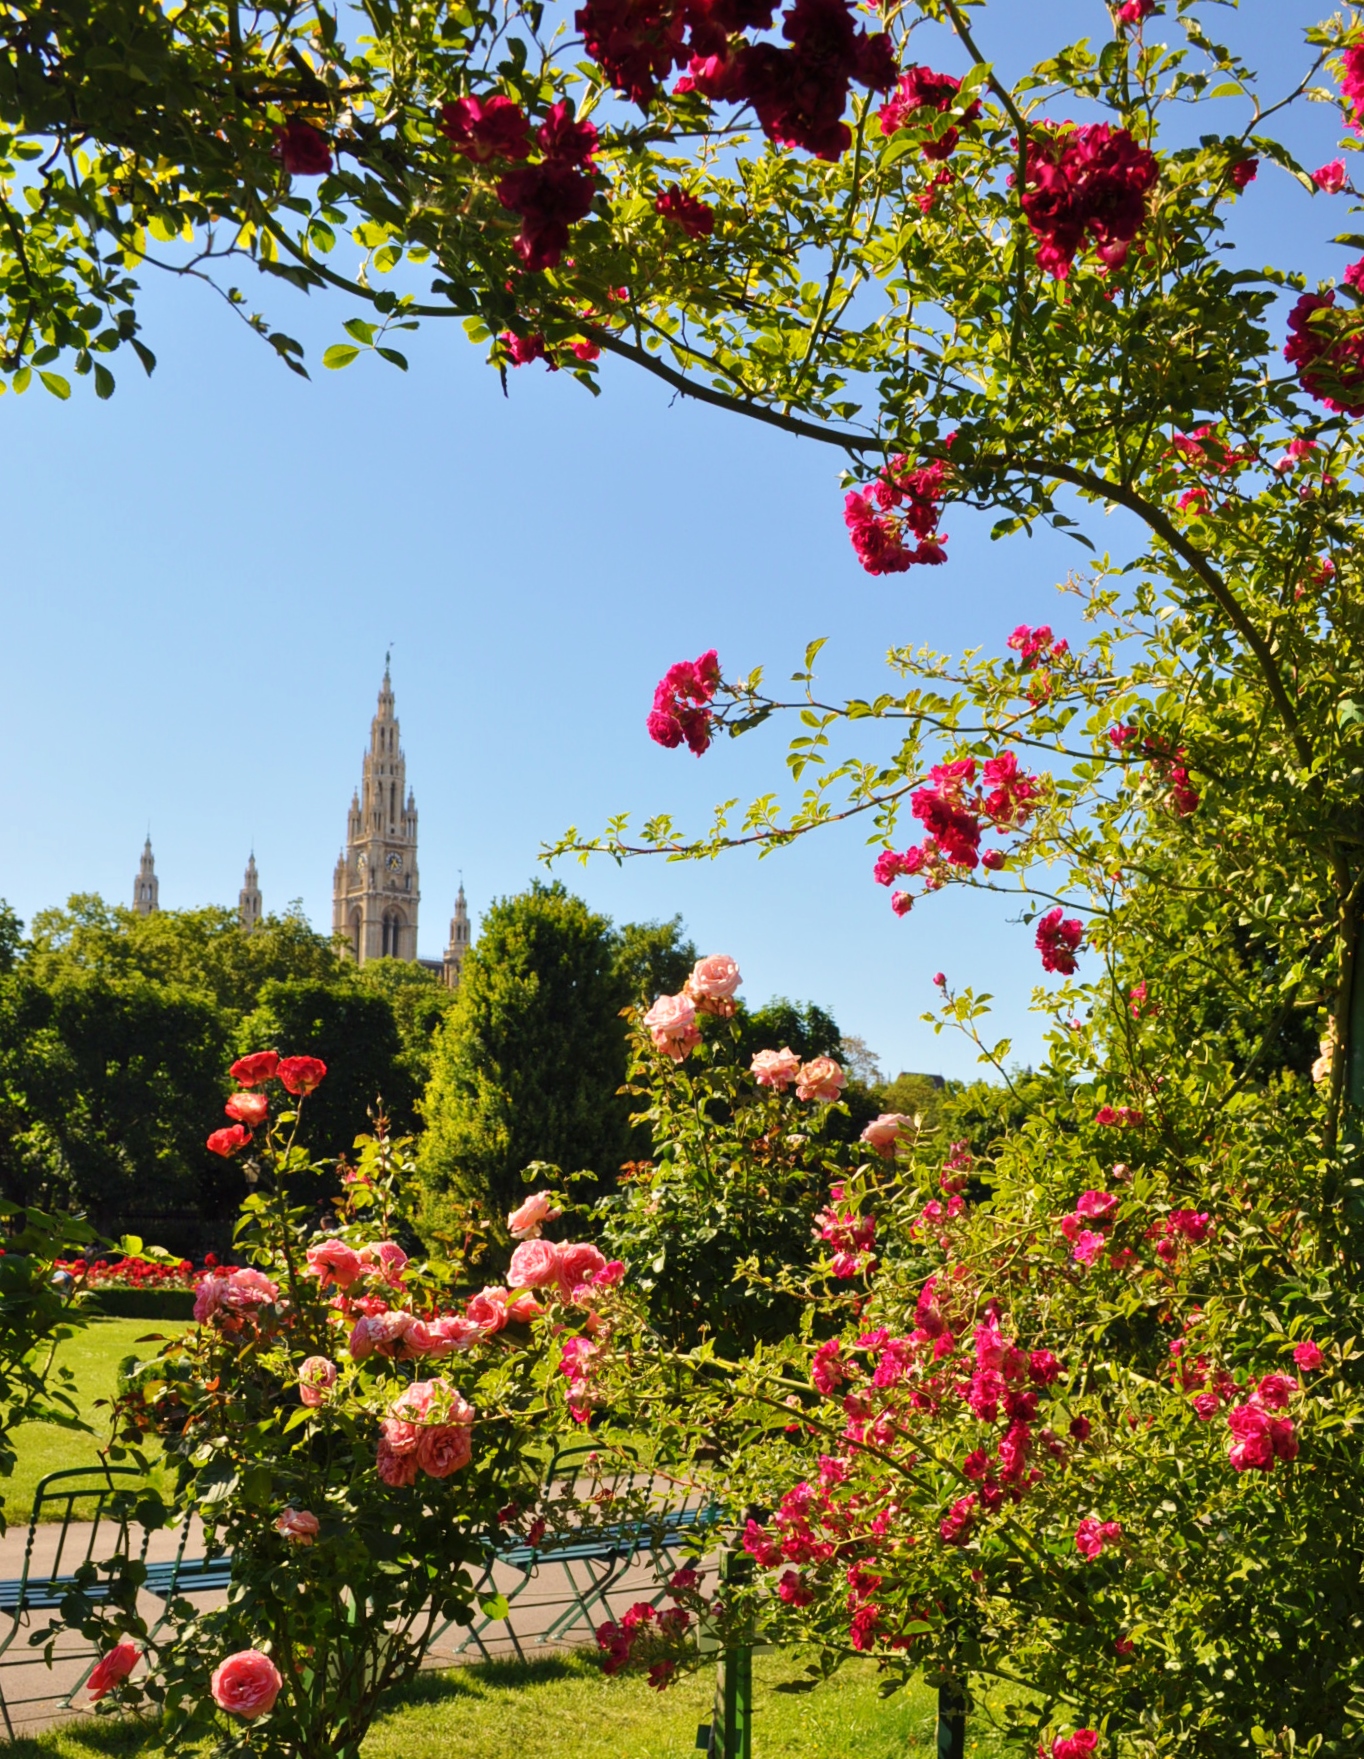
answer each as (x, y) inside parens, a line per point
(357, 1427)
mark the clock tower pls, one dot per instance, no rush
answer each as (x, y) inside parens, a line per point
(375, 889)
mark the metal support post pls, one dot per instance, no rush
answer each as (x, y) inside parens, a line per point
(951, 1721)
(730, 1734)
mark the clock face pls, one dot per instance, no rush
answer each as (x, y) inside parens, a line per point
(395, 862)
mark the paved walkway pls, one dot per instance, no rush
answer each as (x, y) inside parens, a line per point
(541, 1618)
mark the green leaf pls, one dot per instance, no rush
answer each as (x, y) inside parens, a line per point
(393, 357)
(338, 355)
(55, 383)
(361, 329)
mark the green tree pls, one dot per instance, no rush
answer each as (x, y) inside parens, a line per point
(419, 1002)
(528, 1063)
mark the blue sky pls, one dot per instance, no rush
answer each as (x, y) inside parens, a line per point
(205, 572)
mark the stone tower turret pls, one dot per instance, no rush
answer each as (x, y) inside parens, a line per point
(146, 887)
(248, 899)
(375, 888)
(455, 954)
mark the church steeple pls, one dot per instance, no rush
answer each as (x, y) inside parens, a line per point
(248, 899)
(146, 887)
(375, 889)
(458, 949)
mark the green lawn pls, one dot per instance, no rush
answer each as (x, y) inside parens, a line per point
(563, 1705)
(93, 1355)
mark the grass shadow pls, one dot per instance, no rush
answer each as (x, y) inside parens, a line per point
(481, 1679)
(97, 1737)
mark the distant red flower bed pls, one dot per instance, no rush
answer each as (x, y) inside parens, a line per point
(138, 1273)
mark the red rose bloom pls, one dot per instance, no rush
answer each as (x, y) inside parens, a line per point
(486, 128)
(228, 1141)
(693, 216)
(302, 1074)
(251, 1071)
(301, 149)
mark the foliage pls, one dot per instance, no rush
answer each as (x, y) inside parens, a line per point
(420, 1001)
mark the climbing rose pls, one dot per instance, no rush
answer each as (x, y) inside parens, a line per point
(955, 1529)
(1096, 1205)
(246, 1684)
(1329, 358)
(1244, 172)
(248, 1108)
(534, 1265)
(522, 350)
(1088, 179)
(237, 1291)
(444, 1448)
(299, 1526)
(483, 129)
(671, 1023)
(316, 1378)
(1135, 11)
(229, 1141)
(693, 216)
(901, 503)
(1058, 939)
(800, 93)
(301, 149)
(821, 1078)
(1077, 1746)
(1259, 1439)
(577, 1265)
(1352, 82)
(554, 194)
(302, 1075)
(1332, 178)
(1091, 1536)
(793, 1589)
(775, 1068)
(680, 698)
(441, 1337)
(1275, 1390)
(251, 1071)
(1308, 1355)
(112, 1669)
(334, 1262)
(636, 42)
(919, 88)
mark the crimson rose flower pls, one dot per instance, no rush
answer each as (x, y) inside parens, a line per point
(259, 1066)
(302, 1074)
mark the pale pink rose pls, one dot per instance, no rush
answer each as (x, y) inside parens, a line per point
(235, 1291)
(432, 1401)
(444, 1448)
(399, 1436)
(775, 1068)
(821, 1078)
(378, 1333)
(525, 1223)
(578, 1264)
(712, 985)
(534, 1265)
(386, 1258)
(671, 1023)
(335, 1262)
(394, 1468)
(112, 1669)
(440, 1337)
(488, 1310)
(522, 1308)
(316, 1378)
(884, 1133)
(300, 1526)
(246, 1684)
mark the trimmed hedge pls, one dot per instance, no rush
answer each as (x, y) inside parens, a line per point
(143, 1303)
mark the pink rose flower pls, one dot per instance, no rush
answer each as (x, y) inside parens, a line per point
(248, 1108)
(235, 1291)
(400, 1436)
(1091, 1536)
(820, 1078)
(1096, 1205)
(441, 1337)
(246, 1684)
(1206, 1406)
(523, 1308)
(1275, 1390)
(884, 1133)
(316, 1378)
(386, 1258)
(578, 1264)
(1260, 1439)
(1308, 1355)
(775, 1068)
(444, 1448)
(300, 1526)
(335, 1262)
(432, 1401)
(378, 1333)
(671, 1023)
(397, 1468)
(712, 985)
(112, 1669)
(1332, 178)
(525, 1223)
(488, 1310)
(534, 1265)
(1088, 1246)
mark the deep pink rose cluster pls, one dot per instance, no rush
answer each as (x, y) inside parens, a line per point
(641, 1622)
(1085, 1740)
(685, 210)
(901, 503)
(1091, 1536)
(1086, 181)
(550, 195)
(572, 1270)
(681, 710)
(1327, 347)
(852, 1236)
(1092, 1210)
(956, 810)
(919, 88)
(1058, 940)
(799, 93)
